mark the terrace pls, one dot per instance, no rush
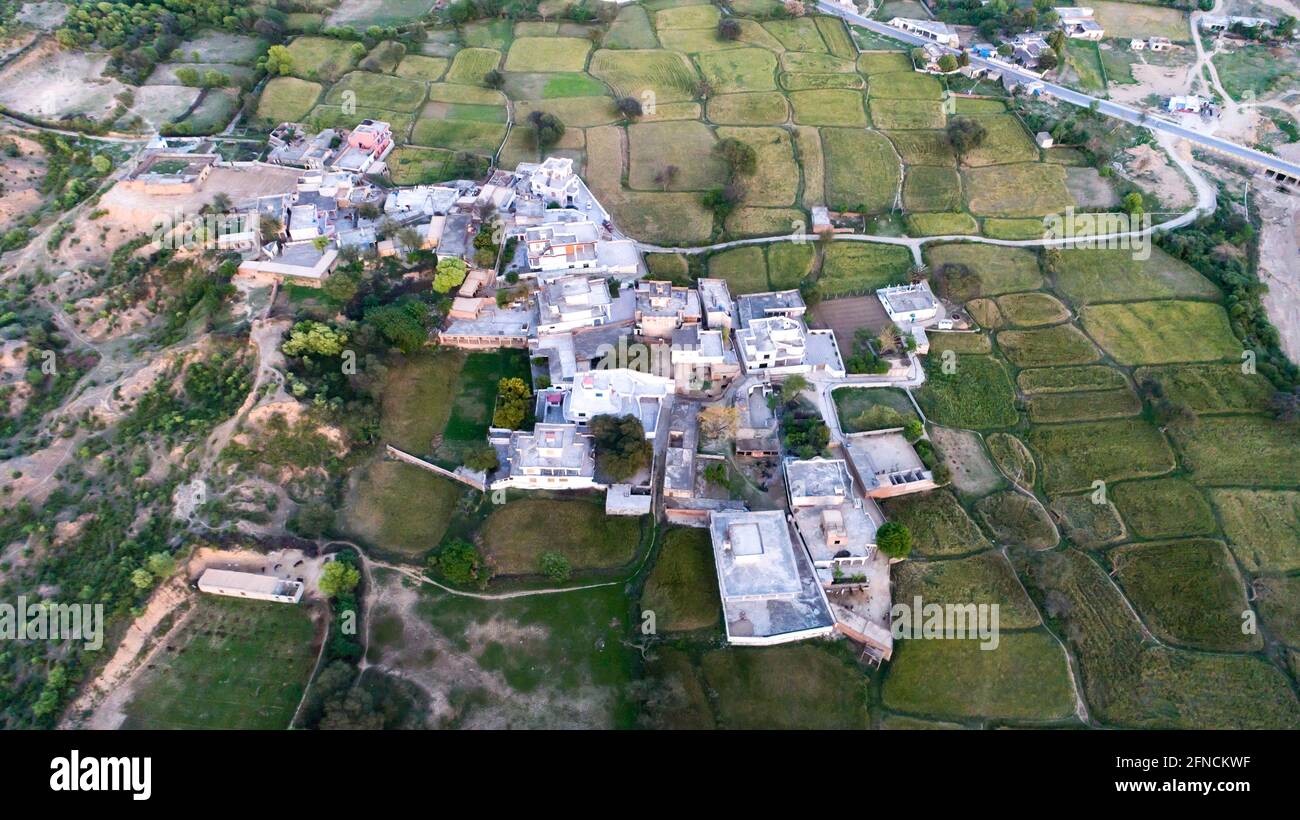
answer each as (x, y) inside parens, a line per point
(886, 464)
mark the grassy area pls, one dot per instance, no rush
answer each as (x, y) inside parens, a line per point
(962, 452)
(1025, 678)
(862, 173)
(1143, 20)
(1188, 593)
(475, 395)
(904, 85)
(775, 181)
(548, 54)
(1075, 455)
(682, 588)
(1006, 142)
(981, 579)
(740, 69)
(668, 75)
(1032, 309)
(872, 408)
(416, 403)
(983, 270)
(322, 58)
(1013, 458)
(287, 99)
(841, 107)
(1059, 345)
(977, 395)
(1162, 332)
(1086, 523)
(1020, 190)
(934, 188)
(1088, 276)
(399, 508)
(941, 224)
(1016, 519)
(234, 664)
(1243, 450)
(656, 145)
(744, 269)
(995, 228)
(630, 29)
(756, 690)
(1258, 70)
(1093, 406)
(1279, 606)
(939, 525)
(1211, 388)
(788, 263)
(516, 534)
(1164, 508)
(395, 93)
(753, 108)
(907, 115)
(1261, 526)
(1070, 379)
(853, 268)
(419, 67)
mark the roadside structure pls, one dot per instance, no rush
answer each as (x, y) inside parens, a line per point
(235, 584)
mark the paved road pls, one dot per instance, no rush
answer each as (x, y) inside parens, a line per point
(1106, 107)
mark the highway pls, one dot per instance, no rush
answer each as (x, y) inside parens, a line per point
(1106, 107)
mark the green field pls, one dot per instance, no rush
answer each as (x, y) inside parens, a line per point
(322, 58)
(1076, 455)
(1032, 309)
(1070, 379)
(977, 395)
(923, 148)
(473, 397)
(862, 409)
(471, 65)
(939, 525)
(1211, 388)
(378, 90)
(516, 534)
(233, 664)
(682, 588)
(1244, 451)
(1016, 519)
(1089, 525)
(1059, 345)
(1020, 190)
(1261, 526)
(852, 268)
(1013, 458)
(1164, 508)
(829, 107)
(1162, 332)
(744, 269)
(984, 579)
(982, 270)
(1092, 406)
(753, 108)
(548, 54)
(755, 689)
(932, 188)
(287, 99)
(862, 172)
(1087, 276)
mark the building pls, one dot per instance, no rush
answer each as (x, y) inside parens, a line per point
(367, 144)
(1044, 140)
(662, 308)
(886, 464)
(553, 180)
(562, 246)
(715, 301)
(477, 324)
(751, 306)
(170, 174)
(909, 305)
(617, 392)
(1073, 12)
(1185, 105)
(291, 146)
(1153, 43)
(679, 472)
(702, 360)
(550, 457)
(1218, 23)
(1077, 23)
(235, 584)
(300, 263)
(405, 205)
(572, 302)
(769, 592)
(929, 29)
(776, 345)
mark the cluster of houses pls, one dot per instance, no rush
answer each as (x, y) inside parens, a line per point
(1025, 49)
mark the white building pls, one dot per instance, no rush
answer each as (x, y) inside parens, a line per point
(1185, 105)
(909, 305)
(662, 308)
(715, 299)
(559, 246)
(929, 29)
(775, 345)
(550, 457)
(1082, 29)
(769, 591)
(571, 302)
(250, 585)
(553, 180)
(788, 303)
(617, 392)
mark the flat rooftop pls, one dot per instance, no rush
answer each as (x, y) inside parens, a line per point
(248, 582)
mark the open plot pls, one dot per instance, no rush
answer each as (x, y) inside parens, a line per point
(459, 135)
(808, 82)
(755, 689)
(1164, 508)
(1061, 344)
(983, 580)
(50, 82)
(904, 85)
(668, 75)
(808, 141)
(419, 67)
(378, 91)
(932, 188)
(746, 222)
(1086, 276)
(574, 112)
(548, 54)
(962, 452)
(977, 395)
(471, 65)
(1073, 456)
(687, 16)
(960, 341)
(923, 147)
(399, 509)
(1241, 450)
(1092, 406)
(1017, 519)
(543, 86)
(656, 145)
(788, 263)
(413, 165)
(967, 270)
(997, 228)
(743, 268)
(495, 33)
(883, 62)
(474, 395)
(1025, 678)
(630, 29)
(1070, 379)
(221, 46)
(907, 115)
(217, 108)
(978, 105)
(1162, 332)
(1013, 459)
(234, 664)
(1278, 600)
(942, 224)
(516, 534)
(1143, 20)
(682, 589)
(1032, 309)
(1017, 190)
(854, 268)
(467, 94)
(1005, 142)
(775, 181)
(805, 62)
(1211, 388)
(829, 106)
(836, 36)
(1085, 522)
(667, 218)
(361, 14)
(1188, 592)
(862, 171)
(287, 99)
(336, 116)
(939, 525)
(800, 34)
(322, 58)
(862, 409)
(1259, 70)
(756, 108)
(1263, 527)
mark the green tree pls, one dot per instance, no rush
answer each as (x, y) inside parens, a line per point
(621, 448)
(948, 63)
(312, 338)
(555, 566)
(483, 457)
(966, 134)
(894, 539)
(740, 157)
(338, 578)
(460, 563)
(793, 386)
(278, 61)
(450, 274)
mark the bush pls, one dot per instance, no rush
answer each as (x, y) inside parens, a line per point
(459, 562)
(894, 539)
(555, 566)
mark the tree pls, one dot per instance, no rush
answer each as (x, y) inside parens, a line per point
(313, 519)
(483, 457)
(1048, 61)
(948, 63)
(513, 398)
(555, 566)
(621, 448)
(160, 564)
(547, 128)
(728, 29)
(338, 577)
(894, 539)
(1133, 204)
(966, 135)
(1057, 41)
(719, 420)
(792, 387)
(494, 79)
(741, 158)
(101, 164)
(913, 430)
(402, 324)
(450, 274)
(311, 338)
(278, 61)
(141, 578)
(666, 176)
(460, 563)
(629, 107)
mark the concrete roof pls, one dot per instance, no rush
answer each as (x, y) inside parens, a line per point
(248, 581)
(754, 306)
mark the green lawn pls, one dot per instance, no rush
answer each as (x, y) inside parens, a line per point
(854, 268)
(977, 395)
(872, 408)
(939, 525)
(1162, 332)
(516, 534)
(682, 589)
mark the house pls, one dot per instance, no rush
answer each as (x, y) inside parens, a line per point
(909, 305)
(550, 457)
(886, 464)
(929, 29)
(776, 345)
(617, 392)
(1073, 12)
(1161, 44)
(170, 174)
(369, 143)
(301, 263)
(1185, 105)
(702, 360)
(405, 205)
(290, 146)
(1044, 140)
(479, 325)
(561, 246)
(553, 180)
(662, 308)
(1218, 23)
(768, 589)
(788, 303)
(1083, 30)
(235, 584)
(679, 472)
(715, 300)
(571, 302)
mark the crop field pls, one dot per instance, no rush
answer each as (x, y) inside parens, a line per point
(1025, 678)
(923, 147)
(234, 664)
(1017, 519)
(1019, 190)
(829, 107)
(744, 269)
(1188, 592)
(978, 395)
(1070, 379)
(1006, 142)
(904, 85)
(1261, 526)
(932, 188)
(321, 58)
(1143, 20)
(1087, 524)
(940, 526)
(1211, 388)
(752, 108)
(655, 145)
(907, 115)
(788, 263)
(852, 268)
(287, 99)
(516, 534)
(1164, 508)
(682, 588)
(473, 397)
(1058, 345)
(740, 69)
(1162, 332)
(1032, 309)
(941, 224)
(419, 67)
(775, 182)
(548, 54)
(981, 579)
(1241, 450)
(1013, 458)
(755, 689)
(472, 64)
(862, 171)
(1075, 455)
(989, 270)
(960, 342)
(378, 91)
(1090, 276)
(1092, 406)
